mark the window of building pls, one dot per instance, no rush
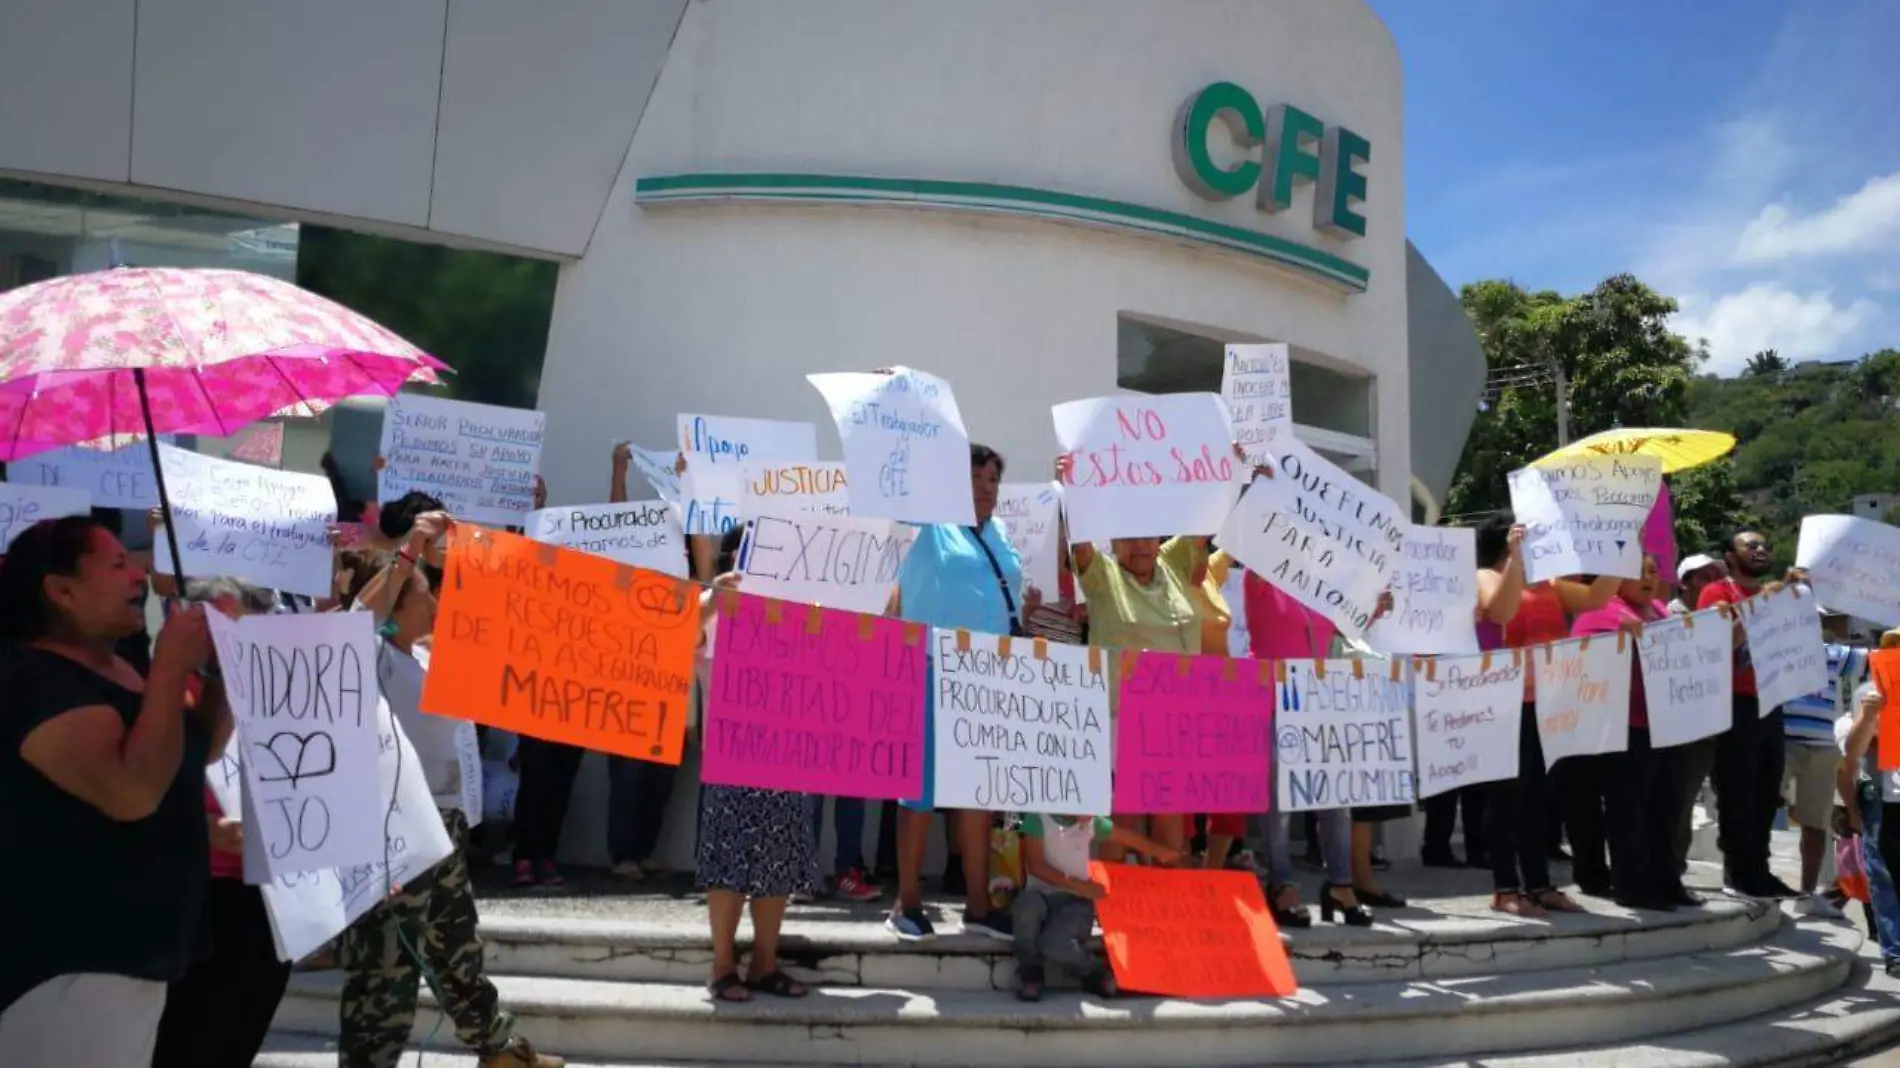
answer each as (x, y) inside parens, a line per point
(1332, 409)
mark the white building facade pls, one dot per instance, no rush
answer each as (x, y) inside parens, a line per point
(1039, 200)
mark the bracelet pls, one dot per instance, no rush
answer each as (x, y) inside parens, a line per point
(406, 557)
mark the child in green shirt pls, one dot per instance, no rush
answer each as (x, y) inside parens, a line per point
(1055, 913)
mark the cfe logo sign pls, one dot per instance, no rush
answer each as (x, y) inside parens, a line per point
(1299, 149)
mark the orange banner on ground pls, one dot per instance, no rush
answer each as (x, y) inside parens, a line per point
(563, 645)
(1884, 665)
(1191, 933)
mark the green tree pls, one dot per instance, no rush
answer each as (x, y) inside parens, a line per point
(483, 313)
(1622, 363)
(1766, 364)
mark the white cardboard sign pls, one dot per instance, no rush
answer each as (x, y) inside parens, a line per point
(479, 460)
(837, 561)
(115, 478)
(23, 504)
(1343, 737)
(1688, 677)
(717, 448)
(904, 444)
(1785, 645)
(1467, 719)
(1853, 565)
(303, 690)
(1583, 696)
(1585, 517)
(799, 486)
(309, 909)
(1147, 466)
(1256, 384)
(1018, 730)
(659, 468)
(644, 534)
(1434, 594)
(1030, 513)
(1324, 537)
(264, 526)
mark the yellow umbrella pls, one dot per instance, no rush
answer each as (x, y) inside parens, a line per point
(1678, 449)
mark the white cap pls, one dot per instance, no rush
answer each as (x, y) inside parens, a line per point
(1693, 563)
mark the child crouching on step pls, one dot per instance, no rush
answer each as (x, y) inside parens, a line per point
(1055, 913)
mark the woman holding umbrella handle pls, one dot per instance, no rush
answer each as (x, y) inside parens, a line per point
(105, 770)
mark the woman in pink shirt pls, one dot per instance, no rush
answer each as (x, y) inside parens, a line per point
(1281, 628)
(1639, 786)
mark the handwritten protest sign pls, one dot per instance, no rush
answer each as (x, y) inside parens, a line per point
(564, 646)
(1585, 517)
(805, 486)
(263, 526)
(480, 460)
(717, 448)
(658, 467)
(1785, 645)
(308, 910)
(1190, 934)
(115, 478)
(1343, 735)
(904, 444)
(816, 701)
(1688, 677)
(1031, 514)
(1147, 466)
(1193, 734)
(1021, 725)
(1583, 697)
(1256, 384)
(24, 504)
(1324, 537)
(303, 691)
(1468, 717)
(637, 533)
(1434, 594)
(833, 560)
(1884, 666)
(1853, 566)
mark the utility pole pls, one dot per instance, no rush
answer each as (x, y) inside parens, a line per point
(1563, 402)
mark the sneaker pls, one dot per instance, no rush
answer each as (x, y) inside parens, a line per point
(853, 886)
(519, 1054)
(524, 873)
(996, 925)
(629, 871)
(910, 925)
(546, 875)
(1815, 906)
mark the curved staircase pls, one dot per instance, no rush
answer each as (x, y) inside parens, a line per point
(1447, 981)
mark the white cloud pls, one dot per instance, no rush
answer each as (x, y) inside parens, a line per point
(1767, 316)
(1866, 219)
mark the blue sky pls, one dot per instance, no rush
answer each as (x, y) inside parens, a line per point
(1742, 156)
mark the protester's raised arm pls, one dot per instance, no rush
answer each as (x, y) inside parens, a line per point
(617, 488)
(1578, 597)
(1500, 591)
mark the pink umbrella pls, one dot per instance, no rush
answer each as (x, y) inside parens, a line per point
(152, 350)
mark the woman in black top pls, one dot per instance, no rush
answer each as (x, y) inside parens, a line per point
(103, 771)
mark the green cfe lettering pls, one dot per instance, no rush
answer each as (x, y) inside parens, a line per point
(1299, 148)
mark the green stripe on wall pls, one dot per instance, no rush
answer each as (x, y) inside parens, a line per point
(1004, 199)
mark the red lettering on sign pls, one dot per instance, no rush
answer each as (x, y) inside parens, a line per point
(1150, 427)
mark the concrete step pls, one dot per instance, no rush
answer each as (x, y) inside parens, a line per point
(1443, 939)
(1352, 1023)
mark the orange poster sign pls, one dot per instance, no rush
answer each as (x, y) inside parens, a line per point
(1884, 665)
(1191, 933)
(563, 645)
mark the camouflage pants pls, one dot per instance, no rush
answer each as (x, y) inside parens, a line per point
(436, 917)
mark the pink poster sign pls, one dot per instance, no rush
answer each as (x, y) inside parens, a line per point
(815, 701)
(1659, 534)
(1194, 734)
